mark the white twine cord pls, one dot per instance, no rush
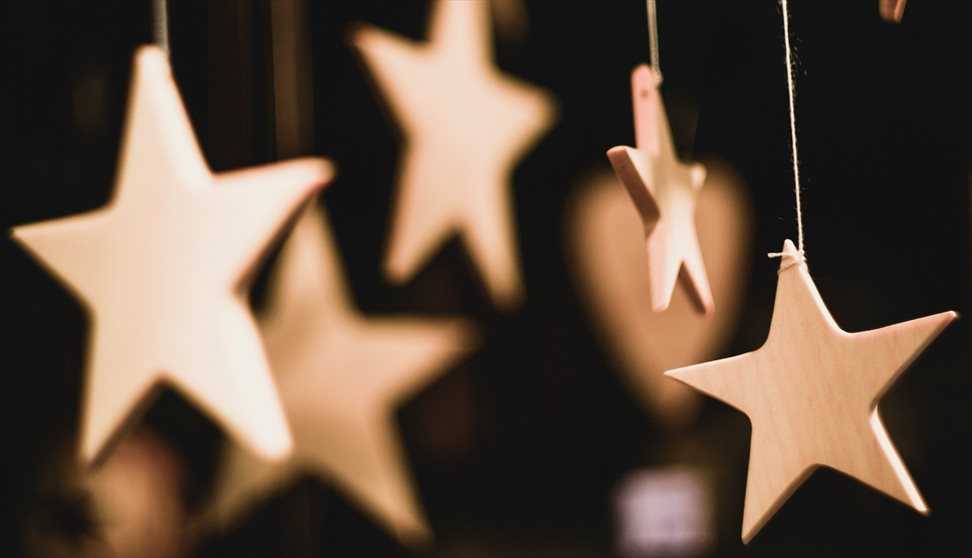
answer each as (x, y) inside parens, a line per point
(653, 41)
(791, 90)
(160, 24)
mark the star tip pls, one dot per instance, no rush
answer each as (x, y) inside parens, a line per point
(616, 151)
(277, 449)
(416, 535)
(152, 55)
(356, 33)
(149, 50)
(749, 531)
(660, 305)
(91, 454)
(394, 272)
(699, 174)
(465, 332)
(643, 69)
(87, 457)
(325, 169)
(509, 301)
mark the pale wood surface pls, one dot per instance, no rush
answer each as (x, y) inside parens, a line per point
(811, 394)
(163, 269)
(466, 125)
(341, 376)
(665, 192)
(892, 10)
(611, 271)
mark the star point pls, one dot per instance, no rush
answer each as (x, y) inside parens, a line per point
(811, 393)
(162, 270)
(465, 125)
(665, 192)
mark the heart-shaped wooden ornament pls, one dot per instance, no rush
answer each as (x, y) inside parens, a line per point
(607, 248)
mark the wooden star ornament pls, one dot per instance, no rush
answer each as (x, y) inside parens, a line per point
(163, 270)
(341, 378)
(811, 394)
(466, 125)
(665, 192)
(611, 272)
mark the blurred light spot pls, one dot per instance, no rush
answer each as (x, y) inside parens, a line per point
(663, 512)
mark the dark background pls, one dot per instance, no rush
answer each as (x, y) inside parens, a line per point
(516, 451)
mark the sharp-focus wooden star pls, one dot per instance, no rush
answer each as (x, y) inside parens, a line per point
(163, 269)
(665, 192)
(466, 125)
(341, 378)
(811, 394)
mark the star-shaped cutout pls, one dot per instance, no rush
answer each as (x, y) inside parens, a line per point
(665, 192)
(811, 394)
(466, 125)
(163, 269)
(341, 378)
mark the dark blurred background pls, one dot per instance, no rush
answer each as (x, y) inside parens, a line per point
(518, 450)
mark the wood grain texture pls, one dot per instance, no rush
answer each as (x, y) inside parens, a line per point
(811, 394)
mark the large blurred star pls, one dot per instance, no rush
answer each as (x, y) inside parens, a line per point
(811, 393)
(163, 269)
(466, 125)
(665, 192)
(341, 377)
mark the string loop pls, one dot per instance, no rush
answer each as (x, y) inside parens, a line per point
(797, 257)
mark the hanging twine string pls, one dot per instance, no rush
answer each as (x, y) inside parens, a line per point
(653, 41)
(791, 89)
(160, 24)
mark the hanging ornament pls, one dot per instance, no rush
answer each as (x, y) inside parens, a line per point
(163, 271)
(811, 390)
(466, 125)
(892, 10)
(664, 191)
(341, 378)
(611, 271)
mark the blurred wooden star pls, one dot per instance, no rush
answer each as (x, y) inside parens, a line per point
(665, 192)
(811, 393)
(466, 126)
(341, 377)
(163, 270)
